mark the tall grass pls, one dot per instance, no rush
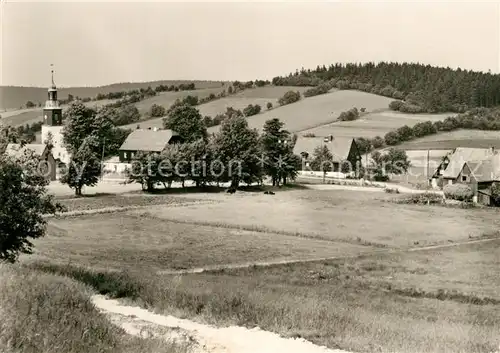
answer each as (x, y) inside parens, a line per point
(45, 313)
(334, 306)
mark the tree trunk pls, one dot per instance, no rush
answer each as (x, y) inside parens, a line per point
(182, 182)
(284, 179)
(235, 182)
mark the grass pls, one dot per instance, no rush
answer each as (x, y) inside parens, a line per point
(407, 303)
(46, 313)
(259, 95)
(373, 124)
(126, 200)
(317, 110)
(457, 138)
(440, 300)
(145, 243)
(337, 215)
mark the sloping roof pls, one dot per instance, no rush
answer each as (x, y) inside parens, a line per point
(461, 155)
(15, 150)
(147, 140)
(487, 170)
(339, 147)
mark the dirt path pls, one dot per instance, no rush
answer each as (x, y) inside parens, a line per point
(296, 261)
(202, 338)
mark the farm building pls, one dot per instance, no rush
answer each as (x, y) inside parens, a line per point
(453, 166)
(47, 165)
(146, 141)
(138, 141)
(477, 167)
(342, 149)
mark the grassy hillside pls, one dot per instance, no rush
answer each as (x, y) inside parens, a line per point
(14, 97)
(30, 116)
(374, 124)
(259, 95)
(318, 110)
(457, 138)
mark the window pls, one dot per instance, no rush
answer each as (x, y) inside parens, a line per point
(464, 177)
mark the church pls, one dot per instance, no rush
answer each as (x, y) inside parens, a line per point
(52, 127)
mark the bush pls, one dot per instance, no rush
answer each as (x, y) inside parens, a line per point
(460, 192)
(351, 114)
(289, 97)
(252, 110)
(321, 89)
(421, 199)
(157, 111)
(395, 105)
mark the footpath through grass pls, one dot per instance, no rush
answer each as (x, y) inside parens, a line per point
(372, 304)
(45, 313)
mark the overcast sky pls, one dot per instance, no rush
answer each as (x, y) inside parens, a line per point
(94, 43)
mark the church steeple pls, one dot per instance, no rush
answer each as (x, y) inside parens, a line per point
(52, 111)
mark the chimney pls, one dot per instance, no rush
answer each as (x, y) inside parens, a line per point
(331, 138)
(492, 149)
(155, 129)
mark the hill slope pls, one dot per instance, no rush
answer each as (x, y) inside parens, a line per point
(12, 97)
(259, 95)
(318, 110)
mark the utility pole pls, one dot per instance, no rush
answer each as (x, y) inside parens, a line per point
(102, 157)
(428, 180)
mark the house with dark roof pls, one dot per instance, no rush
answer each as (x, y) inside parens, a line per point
(146, 141)
(47, 165)
(343, 149)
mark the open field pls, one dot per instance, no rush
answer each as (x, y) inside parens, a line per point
(457, 138)
(30, 116)
(144, 243)
(381, 301)
(318, 110)
(259, 95)
(166, 99)
(337, 215)
(374, 124)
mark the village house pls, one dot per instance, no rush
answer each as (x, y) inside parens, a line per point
(47, 165)
(453, 166)
(140, 140)
(477, 167)
(343, 149)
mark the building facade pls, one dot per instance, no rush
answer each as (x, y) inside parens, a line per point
(52, 125)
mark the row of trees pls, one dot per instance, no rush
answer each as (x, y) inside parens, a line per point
(476, 119)
(426, 88)
(235, 154)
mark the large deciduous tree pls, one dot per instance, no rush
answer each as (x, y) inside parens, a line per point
(186, 121)
(238, 151)
(23, 202)
(277, 147)
(322, 160)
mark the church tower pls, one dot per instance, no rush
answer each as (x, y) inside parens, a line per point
(52, 112)
(52, 124)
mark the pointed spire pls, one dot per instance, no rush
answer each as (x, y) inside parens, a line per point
(52, 72)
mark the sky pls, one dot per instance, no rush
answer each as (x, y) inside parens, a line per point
(98, 43)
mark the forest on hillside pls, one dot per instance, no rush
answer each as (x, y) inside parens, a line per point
(418, 88)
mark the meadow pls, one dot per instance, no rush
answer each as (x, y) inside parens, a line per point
(240, 100)
(454, 139)
(318, 110)
(374, 124)
(382, 292)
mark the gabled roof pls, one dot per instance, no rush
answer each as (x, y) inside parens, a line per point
(487, 170)
(461, 155)
(15, 149)
(148, 140)
(339, 147)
